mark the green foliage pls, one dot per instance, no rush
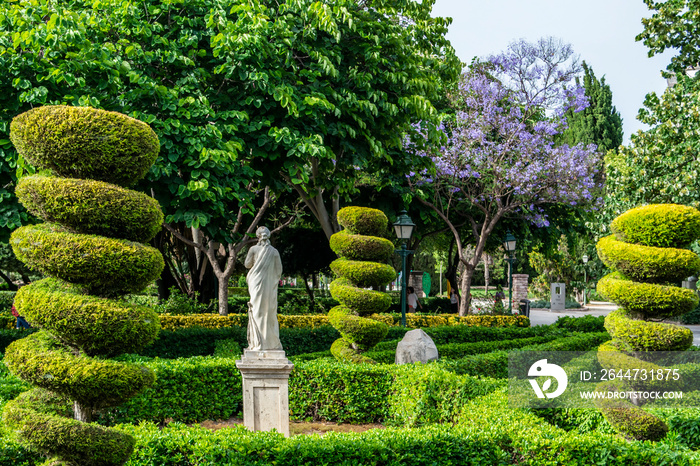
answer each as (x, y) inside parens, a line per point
(638, 335)
(7, 298)
(57, 137)
(42, 361)
(587, 323)
(96, 325)
(364, 274)
(178, 303)
(228, 349)
(226, 100)
(600, 123)
(651, 229)
(68, 358)
(631, 420)
(363, 221)
(92, 207)
(673, 25)
(359, 247)
(66, 438)
(187, 390)
(658, 165)
(359, 334)
(105, 266)
(495, 364)
(648, 264)
(657, 301)
(660, 225)
(362, 301)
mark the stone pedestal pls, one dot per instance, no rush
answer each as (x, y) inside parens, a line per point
(265, 390)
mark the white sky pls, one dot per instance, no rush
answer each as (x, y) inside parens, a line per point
(601, 32)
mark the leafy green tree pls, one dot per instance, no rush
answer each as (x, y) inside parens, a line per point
(241, 94)
(675, 24)
(600, 123)
(660, 164)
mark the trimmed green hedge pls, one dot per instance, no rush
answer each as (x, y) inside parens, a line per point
(363, 221)
(659, 225)
(364, 274)
(91, 207)
(41, 360)
(359, 247)
(648, 264)
(639, 335)
(105, 266)
(119, 149)
(655, 301)
(97, 325)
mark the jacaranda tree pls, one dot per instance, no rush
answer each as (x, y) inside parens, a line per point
(500, 160)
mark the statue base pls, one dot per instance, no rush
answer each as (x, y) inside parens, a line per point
(265, 390)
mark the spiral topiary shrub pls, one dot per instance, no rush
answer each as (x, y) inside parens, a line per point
(359, 267)
(93, 252)
(646, 252)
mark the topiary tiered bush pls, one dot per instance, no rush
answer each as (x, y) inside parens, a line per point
(648, 253)
(92, 248)
(361, 265)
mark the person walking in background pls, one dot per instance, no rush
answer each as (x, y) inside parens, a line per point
(454, 301)
(20, 323)
(412, 300)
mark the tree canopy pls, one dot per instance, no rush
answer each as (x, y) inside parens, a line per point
(600, 123)
(302, 91)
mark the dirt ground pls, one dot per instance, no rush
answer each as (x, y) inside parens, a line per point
(300, 428)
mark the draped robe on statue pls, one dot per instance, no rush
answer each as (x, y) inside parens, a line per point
(263, 277)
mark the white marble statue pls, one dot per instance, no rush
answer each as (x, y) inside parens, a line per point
(263, 277)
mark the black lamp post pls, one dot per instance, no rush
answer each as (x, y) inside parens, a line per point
(585, 261)
(509, 246)
(404, 230)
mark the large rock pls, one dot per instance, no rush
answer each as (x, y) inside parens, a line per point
(416, 346)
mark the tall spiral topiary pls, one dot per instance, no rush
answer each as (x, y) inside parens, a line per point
(91, 248)
(648, 253)
(362, 255)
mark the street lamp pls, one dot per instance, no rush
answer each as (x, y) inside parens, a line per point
(585, 281)
(509, 246)
(404, 230)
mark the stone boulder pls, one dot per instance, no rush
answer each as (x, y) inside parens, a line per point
(416, 346)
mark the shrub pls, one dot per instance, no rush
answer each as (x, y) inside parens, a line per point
(121, 149)
(356, 247)
(654, 231)
(187, 390)
(7, 298)
(67, 359)
(648, 264)
(363, 274)
(656, 301)
(95, 207)
(105, 266)
(660, 225)
(638, 335)
(363, 221)
(587, 323)
(358, 334)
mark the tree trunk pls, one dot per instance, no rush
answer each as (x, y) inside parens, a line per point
(486, 275)
(9, 282)
(82, 413)
(310, 292)
(465, 287)
(223, 293)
